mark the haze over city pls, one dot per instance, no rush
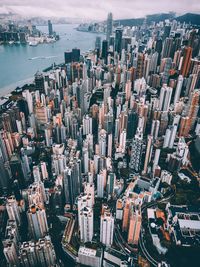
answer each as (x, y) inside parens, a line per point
(95, 9)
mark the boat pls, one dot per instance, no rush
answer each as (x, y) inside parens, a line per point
(33, 43)
(11, 42)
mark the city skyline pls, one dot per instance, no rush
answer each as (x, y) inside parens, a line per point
(96, 10)
(100, 152)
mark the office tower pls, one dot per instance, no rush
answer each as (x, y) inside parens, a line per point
(158, 49)
(166, 71)
(98, 43)
(148, 153)
(72, 182)
(4, 171)
(107, 228)
(86, 224)
(68, 57)
(111, 183)
(39, 82)
(101, 183)
(136, 151)
(178, 89)
(140, 66)
(50, 28)
(75, 55)
(166, 33)
(37, 221)
(165, 98)
(118, 40)
(168, 48)
(134, 227)
(16, 169)
(109, 29)
(104, 51)
(185, 66)
(132, 123)
(40, 253)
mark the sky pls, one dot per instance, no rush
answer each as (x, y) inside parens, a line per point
(97, 9)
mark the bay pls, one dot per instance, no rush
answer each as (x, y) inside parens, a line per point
(19, 63)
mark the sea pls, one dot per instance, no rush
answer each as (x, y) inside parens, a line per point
(19, 63)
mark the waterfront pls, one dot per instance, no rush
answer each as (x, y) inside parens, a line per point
(19, 63)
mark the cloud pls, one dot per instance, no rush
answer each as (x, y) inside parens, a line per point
(97, 9)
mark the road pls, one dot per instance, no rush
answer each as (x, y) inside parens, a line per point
(122, 244)
(142, 246)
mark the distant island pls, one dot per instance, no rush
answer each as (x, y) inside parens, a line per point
(13, 33)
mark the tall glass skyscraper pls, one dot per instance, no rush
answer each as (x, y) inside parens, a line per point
(109, 26)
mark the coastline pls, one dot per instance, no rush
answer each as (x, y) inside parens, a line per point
(10, 88)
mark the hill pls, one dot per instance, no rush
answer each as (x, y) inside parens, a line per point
(194, 19)
(188, 18)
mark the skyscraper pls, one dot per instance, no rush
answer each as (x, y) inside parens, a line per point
(39, 82)
(165, 98)
(118, 40)
(50, 28)
(37, 221)
(109, 26)
(107, 228)
(134, 227)
(86, 224)
(178, 89)
(187, 55)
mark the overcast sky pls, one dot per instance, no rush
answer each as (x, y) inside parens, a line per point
(97, 9)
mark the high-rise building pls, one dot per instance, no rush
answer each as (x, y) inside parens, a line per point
(86, 224)
(16, 169)
(178, 89)
(10, 243)
(68, 57)
(72, 182)
(165, 98)
(107, 228)
(50, 28)
(136, 151)
(13, 210)
(39, 82)
(118, 40)
(40, 253)
(101, 183)
(187, 55)
(134, 227)
(109, 29)
(104, 51)
(75, 55)
(37, 221)
(148, 153)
